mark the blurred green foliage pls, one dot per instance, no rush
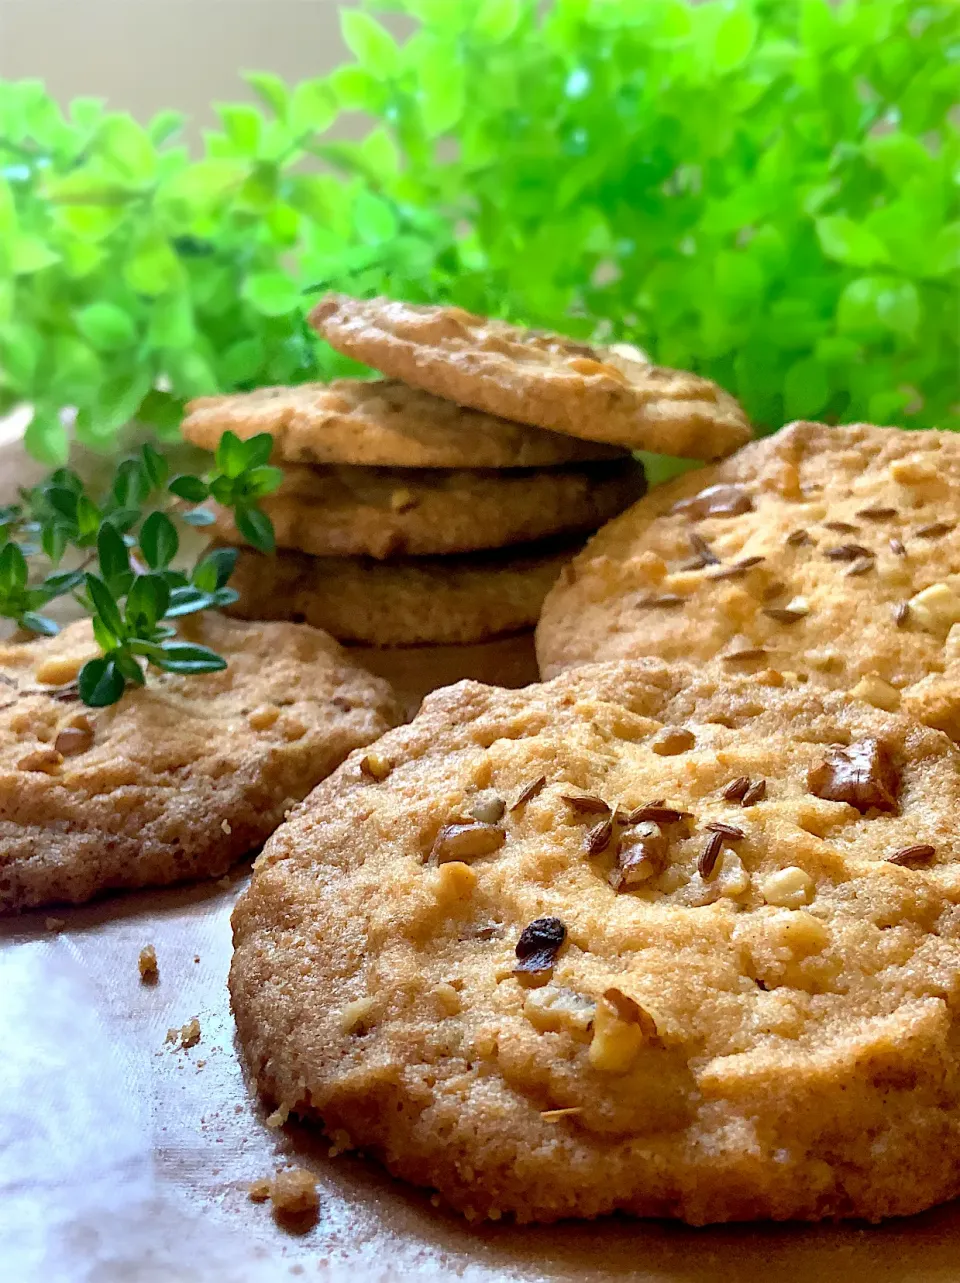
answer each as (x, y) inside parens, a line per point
(762, 190)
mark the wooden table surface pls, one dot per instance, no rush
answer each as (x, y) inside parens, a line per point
(124, 1160)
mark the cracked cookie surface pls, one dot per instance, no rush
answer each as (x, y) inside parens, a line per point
(611, 394)
(832, 552)
(180, 778)
(634, 939)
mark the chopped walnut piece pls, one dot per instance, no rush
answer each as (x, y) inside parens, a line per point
(540, 942)
(936, 608)
(76, 737)
(46, 760)
(863, 775)
(147, 962)
(488, 809)
(641, 855)
(874, 690)
(715, 501)
(553, 1008)
(466, 841)
(620, 1028)
(789, 888)
(375, 766)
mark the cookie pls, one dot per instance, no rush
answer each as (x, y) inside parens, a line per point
(387, 512)
(636, 940)
(597, 394)
(380, 424)
(179, 779)
(439, 600)
(830, 552)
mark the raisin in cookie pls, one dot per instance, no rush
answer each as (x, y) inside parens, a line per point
(636, 939)
(596, 394)
(382, 423)
(180, 778)
(830, 552)
(406, 602)
(388, 512)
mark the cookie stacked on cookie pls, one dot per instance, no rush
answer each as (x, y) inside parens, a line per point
(439, 505)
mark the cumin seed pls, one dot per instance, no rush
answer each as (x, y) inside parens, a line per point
(528, 793)
(735, 790)
(755, 793)
(726, 830)
(707, 859)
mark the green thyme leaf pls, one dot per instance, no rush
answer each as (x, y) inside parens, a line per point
(190, 488)
(256, 527)
(183, 657)
(159, 541)
(100, 682)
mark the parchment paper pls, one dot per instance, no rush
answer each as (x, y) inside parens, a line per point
(125, 1160)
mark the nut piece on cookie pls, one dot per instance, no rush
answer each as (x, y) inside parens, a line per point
(532, 377)
(179, 779)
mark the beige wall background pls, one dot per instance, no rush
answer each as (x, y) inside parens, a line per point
(144, 55)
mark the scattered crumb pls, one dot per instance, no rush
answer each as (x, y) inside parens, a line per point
(551, 1115)
(187, 1035)
(279, 1116)
(225, 826)
(54, 924)
(147, 962)
(225, 882)
(196, 957)
(294, 1194)
(259, 1190)
(190, 1033)
(434, 1200)
(201, 1063)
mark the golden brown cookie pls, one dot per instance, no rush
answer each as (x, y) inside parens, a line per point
(179, 779)
(634, 940)
(830, 552)
(387, 512)
(596, 394)
(442, 600)
(380, 424)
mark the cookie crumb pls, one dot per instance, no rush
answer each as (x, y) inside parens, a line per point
(278, 1117)
(293, 1193)
(147, 963)
(54, 924)
(225, 827)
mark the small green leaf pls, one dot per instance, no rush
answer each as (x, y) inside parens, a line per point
(898, 308)
(189, 487)
(271, 90)
(105, 605)
(154, 465)
(256, 527)
(242, 125)
(39, 624)
(154, 267)
(231, 455)
(215, 569)
(496, 20)
(53, 541)
(806, 389)
(199, 517)
(159, 541)
(254, 483)
(13, 569)
(313, 108)
(272, 293)
(114, 558)
(147, 603)
(46, 437)
(100, 682)
(848, 242)
(370, 43)
(108, 327)
(29, 254)
(63, 582)
(183, 657)
(186, 601)
(735, 38)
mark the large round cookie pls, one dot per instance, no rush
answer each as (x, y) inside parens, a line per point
(382, 423)
(388, 512)
(830, 552)
(597, 394)
(408, 602)
(180, 778)
(633, 939)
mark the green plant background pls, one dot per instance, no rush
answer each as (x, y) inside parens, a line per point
(762, 190)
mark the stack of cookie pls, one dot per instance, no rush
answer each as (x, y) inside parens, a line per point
(440, 504)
